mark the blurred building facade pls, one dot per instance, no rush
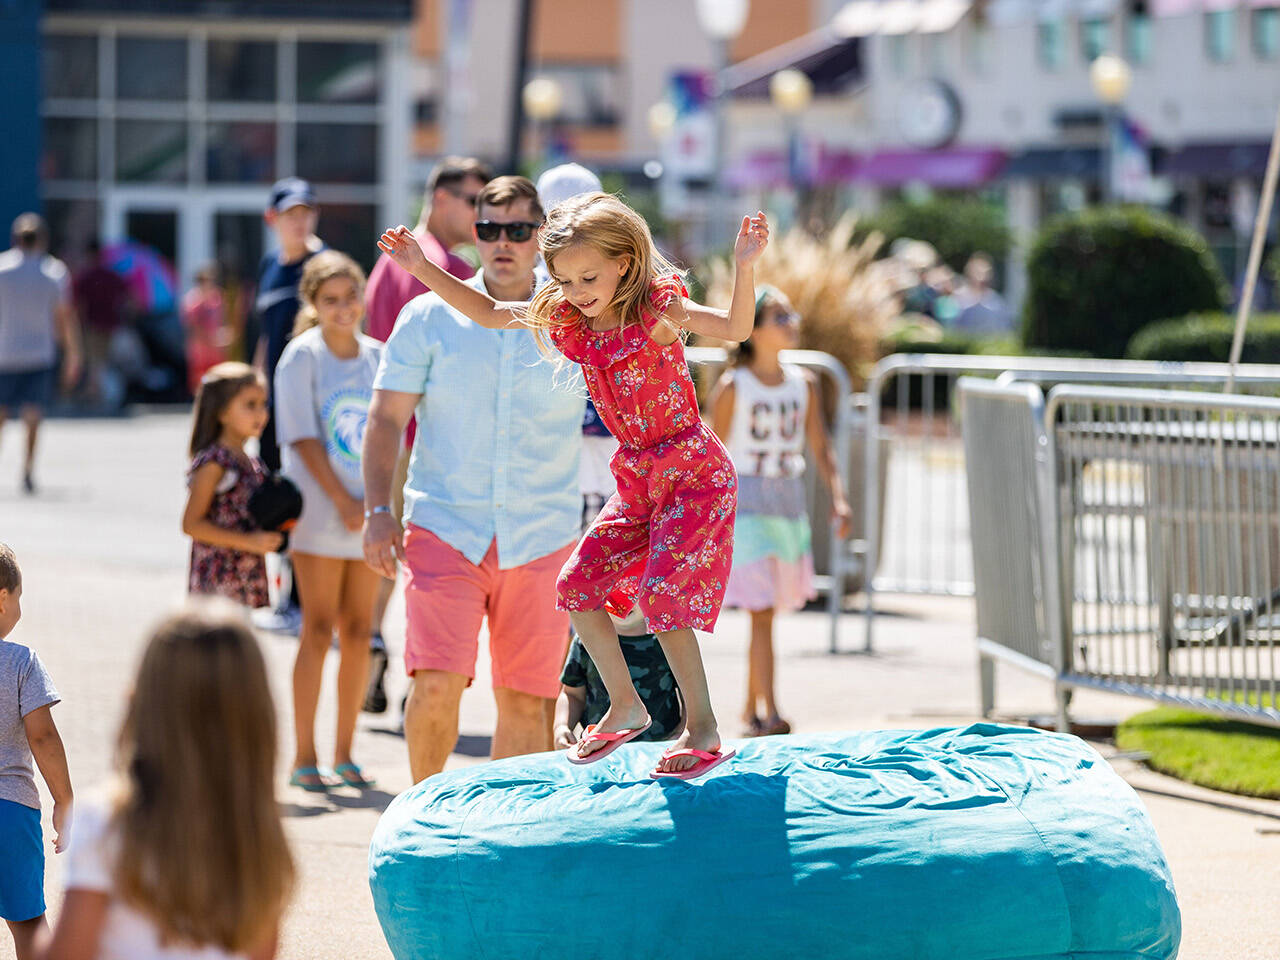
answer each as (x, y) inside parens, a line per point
(166, 121)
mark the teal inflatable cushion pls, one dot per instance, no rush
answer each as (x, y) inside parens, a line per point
(970, 844)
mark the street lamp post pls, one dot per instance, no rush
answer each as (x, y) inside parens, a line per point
(1110, 77)
(542, 98)
(791, 91)
(721, 20)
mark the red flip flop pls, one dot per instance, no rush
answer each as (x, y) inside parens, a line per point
(612, 742)
(706, 762)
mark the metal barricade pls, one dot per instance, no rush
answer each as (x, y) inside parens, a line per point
(841, 555)
(1168, 545)
(1016, 594)
(917, 530)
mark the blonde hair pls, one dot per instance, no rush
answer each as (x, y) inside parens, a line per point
(218, 387)
(202, 849)
(323, 267)
(617, 232)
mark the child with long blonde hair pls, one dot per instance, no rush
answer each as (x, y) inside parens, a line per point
(186, 858)
(616, 306)
(227, 548)
(323, 387)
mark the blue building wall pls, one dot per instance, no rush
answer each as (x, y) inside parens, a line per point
(20, 115)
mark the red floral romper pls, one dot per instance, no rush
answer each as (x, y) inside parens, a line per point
(665, 539)
(222, 571)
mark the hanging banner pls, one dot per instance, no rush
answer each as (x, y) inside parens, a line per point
(689, 152)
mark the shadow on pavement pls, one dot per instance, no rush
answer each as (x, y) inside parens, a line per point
(1205, 801)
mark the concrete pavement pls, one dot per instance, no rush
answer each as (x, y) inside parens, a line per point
(103, 558)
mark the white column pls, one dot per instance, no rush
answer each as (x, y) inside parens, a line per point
(1024, 215)
(396, 111)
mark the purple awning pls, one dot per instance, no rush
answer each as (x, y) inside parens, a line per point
(772, 168)
(961, 167)
(1218, 160)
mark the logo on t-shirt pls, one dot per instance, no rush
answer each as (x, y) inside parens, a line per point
(345, 414)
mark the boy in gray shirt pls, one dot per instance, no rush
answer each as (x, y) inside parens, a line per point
(26, 730)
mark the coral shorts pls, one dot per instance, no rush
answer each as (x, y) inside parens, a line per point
(447, 597)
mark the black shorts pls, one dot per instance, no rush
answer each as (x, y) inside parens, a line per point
(26, 388)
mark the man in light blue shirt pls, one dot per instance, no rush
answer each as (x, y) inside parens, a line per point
(492, 508)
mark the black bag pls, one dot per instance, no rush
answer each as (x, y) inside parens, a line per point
(276, 506)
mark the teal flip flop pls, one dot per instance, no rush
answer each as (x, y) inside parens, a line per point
(317, 786)
(353, 776)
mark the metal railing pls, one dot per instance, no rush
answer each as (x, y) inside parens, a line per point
(1168, 507)
(1128, 540)
(841, 555)
(924, 547)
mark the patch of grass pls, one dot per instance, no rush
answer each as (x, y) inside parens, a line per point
(1228, 755)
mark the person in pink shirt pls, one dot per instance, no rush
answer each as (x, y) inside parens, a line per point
(448, 211)
(205, 324)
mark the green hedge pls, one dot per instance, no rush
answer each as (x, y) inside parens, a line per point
(957, 227)
(1206, 338)
(1099, 276)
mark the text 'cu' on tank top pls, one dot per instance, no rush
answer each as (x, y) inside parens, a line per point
(766, 436)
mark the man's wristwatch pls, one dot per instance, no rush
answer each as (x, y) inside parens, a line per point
(380, 508)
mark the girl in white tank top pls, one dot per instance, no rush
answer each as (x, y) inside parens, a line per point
(764, 411)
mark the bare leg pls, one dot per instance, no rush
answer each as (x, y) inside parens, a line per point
(320, 587)
(431, 720)
(385, 588)
(700, 732)
(25, 933)
(31, 416)
(359, 591)
(522, 724)
(626, 709)
(761, 662)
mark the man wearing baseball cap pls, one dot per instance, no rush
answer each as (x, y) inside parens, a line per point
(292, 215)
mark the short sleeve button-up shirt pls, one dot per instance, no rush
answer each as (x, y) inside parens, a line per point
(499, 433)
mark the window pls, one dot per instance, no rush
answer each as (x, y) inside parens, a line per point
(70, 149)
(338, 72)
(1095, 38)
(898, 54)
(149, 68)
(241, 71)
(590, 94)
(71, 225)
(338, 152)
(1220, 35)
(70, 66)
(1051, 44)
(1137, 37)
(1266, 33)
(241, 153)
(151, 151)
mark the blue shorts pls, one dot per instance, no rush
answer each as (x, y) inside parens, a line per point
(21, 863)
(26, 388)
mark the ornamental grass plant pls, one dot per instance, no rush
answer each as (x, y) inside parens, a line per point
(846, 299)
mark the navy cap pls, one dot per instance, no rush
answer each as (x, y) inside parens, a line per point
(291, 192)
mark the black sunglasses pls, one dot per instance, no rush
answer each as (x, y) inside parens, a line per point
(518, 232)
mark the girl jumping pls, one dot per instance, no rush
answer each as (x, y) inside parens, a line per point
(616, 306)
(323, 387)
(763, 410)
(227, 549)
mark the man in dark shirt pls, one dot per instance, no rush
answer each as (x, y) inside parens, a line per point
(292, 215)
(101, 296)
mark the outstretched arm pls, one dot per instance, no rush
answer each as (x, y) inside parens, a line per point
(737, 322)
(401, 246)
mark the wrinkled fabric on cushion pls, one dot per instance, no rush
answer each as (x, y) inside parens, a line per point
(977, 843)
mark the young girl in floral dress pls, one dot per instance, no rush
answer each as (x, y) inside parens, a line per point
(227, 549)
(665, 539)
